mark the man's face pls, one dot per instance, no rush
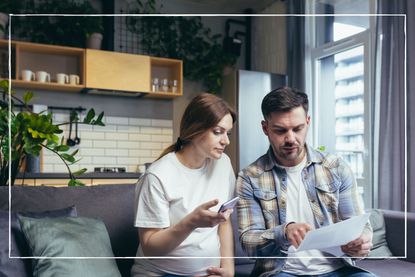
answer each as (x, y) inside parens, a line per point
(287, 132)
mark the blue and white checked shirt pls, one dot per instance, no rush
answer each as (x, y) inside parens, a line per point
(262, 187)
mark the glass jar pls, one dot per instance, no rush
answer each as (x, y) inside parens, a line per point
(155, 85)
(174, 86)
(165, 85)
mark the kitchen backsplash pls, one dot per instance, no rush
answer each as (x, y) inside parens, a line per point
(122, 142)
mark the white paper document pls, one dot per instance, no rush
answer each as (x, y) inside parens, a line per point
(330, 238)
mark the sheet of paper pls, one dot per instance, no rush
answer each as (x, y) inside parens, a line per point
(330, 238)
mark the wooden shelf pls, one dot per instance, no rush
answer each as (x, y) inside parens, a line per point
(171, 69)
(45, 86)
(162, 95)
(97, 69)
(50, 58)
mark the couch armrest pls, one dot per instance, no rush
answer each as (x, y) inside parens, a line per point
(395, 233)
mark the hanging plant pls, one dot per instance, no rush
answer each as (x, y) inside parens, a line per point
(184, 38)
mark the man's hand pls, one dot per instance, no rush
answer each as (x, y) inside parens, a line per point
(359, 247)
(295, 232)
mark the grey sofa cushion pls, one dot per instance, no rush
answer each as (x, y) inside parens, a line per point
(69, 237)
(380, 246)
(10, 267)
(19, 246)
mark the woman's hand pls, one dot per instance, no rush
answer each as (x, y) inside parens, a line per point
(203, 217)
(218, 272)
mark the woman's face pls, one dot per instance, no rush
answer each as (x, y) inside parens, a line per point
(212, 142)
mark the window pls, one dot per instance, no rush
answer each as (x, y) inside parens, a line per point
(338, 77)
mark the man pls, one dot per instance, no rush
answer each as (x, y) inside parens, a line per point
(293, 189)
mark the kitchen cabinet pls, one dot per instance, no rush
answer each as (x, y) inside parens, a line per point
(58, 182)
(170, 69)
(96, 182)
(27, 182)
(133, 73)
(97, 69)
(64, 182)
(117, 71)
(89, 179)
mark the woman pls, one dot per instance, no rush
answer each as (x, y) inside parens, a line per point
(176, 198)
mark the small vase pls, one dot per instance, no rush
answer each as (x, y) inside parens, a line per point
(32, 164)
(94, 41)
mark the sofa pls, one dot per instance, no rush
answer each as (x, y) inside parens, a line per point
(114, 205)
(389, 234)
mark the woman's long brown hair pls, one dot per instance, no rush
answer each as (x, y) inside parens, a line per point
(205, 111)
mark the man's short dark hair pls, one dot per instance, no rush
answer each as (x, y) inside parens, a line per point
(283, 99)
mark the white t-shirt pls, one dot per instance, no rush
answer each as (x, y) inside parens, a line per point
(166, 194)
(299, 210)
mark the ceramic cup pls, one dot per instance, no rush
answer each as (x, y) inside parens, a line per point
(28, 75)
(73, 79)
(62, 78)
(42, 76)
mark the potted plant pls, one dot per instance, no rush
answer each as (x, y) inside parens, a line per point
(26, 133)
(185, 38)
(58, 30)
(93, 28)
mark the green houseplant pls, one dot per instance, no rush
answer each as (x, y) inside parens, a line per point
(26, 133)
(184, 38)
(58, 30)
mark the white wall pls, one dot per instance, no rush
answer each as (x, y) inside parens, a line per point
(123, 142)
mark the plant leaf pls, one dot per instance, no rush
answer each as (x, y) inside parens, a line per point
(67, 157)
(27, 97)
(75, 182)
(79, 172)
(98, 121)
(90, 115)
(74, 152)
(61, 148)
(321, 148)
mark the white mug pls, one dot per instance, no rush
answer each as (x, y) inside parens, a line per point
(28, 75)
(62, 78)
(73, 79)
(42, 76)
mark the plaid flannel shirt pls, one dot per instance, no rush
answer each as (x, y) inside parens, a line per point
(262, 187)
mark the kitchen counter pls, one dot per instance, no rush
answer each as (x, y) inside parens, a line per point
(87, 175)
(89, 179)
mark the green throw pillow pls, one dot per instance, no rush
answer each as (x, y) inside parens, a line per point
(72, 237)
(380, 246)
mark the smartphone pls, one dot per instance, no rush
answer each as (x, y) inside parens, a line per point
(228, 204)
